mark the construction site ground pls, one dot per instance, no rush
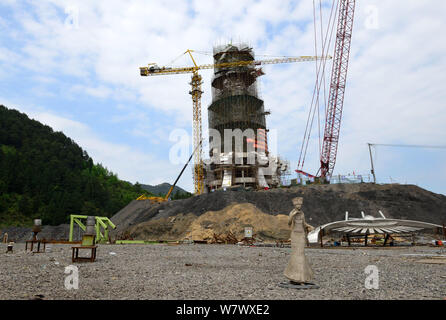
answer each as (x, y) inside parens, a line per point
(194, 271)
(199, 217)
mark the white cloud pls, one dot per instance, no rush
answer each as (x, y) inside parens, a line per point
(127, 162)
(100, 91)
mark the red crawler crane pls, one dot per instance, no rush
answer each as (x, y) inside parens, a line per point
(337, 87)
(335, 101)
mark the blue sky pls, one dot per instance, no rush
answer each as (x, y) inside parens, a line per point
(74, 66)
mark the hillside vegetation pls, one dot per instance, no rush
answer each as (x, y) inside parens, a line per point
(44, 174)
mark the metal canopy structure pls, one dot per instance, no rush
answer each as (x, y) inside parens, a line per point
(368, 225)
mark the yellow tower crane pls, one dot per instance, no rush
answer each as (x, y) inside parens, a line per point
(154, 70)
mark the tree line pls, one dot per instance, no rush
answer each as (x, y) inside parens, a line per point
(44, 174)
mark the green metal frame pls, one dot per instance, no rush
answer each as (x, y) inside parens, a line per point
(102, 223)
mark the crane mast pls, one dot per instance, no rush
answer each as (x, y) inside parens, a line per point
(196, 100)
(337, 87)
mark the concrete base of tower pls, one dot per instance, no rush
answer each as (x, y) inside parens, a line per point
(222, 173)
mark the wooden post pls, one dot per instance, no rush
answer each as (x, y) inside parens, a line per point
(444, 231)
(385, 239)
(371, 162)
(322, 234)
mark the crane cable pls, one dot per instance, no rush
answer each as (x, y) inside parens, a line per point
(307, 129)
(317, 86)
(319, 82)
(170, 64)
(316, 91)
(402, 146)
(323, 79)
(407, 145)
(315, 51)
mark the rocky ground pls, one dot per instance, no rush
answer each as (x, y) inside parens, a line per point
(162, 271)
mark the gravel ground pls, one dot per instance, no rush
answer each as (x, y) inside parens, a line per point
(162, 271)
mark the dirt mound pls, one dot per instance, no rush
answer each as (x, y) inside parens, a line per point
(322, 203)
(135, 212)
(171, 228)
(233, 218)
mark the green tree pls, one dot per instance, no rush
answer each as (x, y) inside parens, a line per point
(46, 174)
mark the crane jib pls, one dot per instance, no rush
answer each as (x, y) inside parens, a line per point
(152, 71)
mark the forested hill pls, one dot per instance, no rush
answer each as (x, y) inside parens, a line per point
(44, 174)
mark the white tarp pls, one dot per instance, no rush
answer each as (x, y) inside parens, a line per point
(227, 178)
(261, 178)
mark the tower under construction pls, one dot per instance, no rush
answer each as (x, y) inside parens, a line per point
(238, 137)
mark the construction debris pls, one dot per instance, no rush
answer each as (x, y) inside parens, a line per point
(223, 226)
(228, 238)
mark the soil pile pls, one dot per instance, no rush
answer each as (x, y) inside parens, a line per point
(233, 218)
(170, 228)
(322, 204)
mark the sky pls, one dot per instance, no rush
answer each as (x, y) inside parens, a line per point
(74, 65)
